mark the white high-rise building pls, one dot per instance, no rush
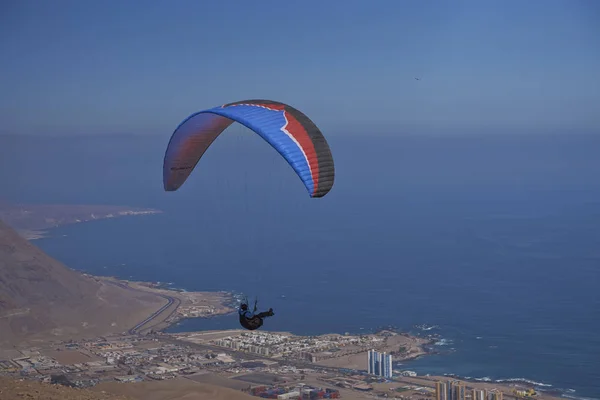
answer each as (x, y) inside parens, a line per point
(386, 365)
(372, 360)
(379, 364)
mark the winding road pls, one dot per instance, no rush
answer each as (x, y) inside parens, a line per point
(170, 301)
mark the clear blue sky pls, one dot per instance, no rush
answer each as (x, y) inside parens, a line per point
(81, 67)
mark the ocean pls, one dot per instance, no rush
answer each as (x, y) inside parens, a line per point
(496, 240)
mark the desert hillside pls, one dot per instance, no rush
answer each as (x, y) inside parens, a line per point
(176, 389)
(173, 389)
(17, 389)
(41, 298)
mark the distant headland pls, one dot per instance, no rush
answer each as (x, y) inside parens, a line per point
(32, 221)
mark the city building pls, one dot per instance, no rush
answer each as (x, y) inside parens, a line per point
(459, 391)
(479, 394)
(441, 393)
(371, 362)
(379, 364)
(455, 390)
(495, 395)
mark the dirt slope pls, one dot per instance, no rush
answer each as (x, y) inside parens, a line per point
(16, 389)
(173, 389)
(41, 298)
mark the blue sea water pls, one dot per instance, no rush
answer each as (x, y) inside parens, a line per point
(496, 240)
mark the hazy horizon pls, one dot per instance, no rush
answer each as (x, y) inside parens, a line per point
(89, 68)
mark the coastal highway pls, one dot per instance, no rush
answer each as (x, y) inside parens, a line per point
(170, 301)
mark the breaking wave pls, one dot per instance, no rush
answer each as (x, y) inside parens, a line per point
(523, 380)
(505, 380)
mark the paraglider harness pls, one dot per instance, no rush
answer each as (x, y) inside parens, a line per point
(256, 321)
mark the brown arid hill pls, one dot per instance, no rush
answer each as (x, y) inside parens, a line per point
(18, 389)
(173, 389)
(40, 298)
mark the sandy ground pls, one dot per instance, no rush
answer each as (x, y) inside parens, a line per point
(219, 380)
(206, 336)
(118, 310)
(204, 386)
(173, 389)
(15, 389)
(42, 299)
(115, 311)
(69, 357)
(352, 361)
(9, 354)
(346, 394)
(183, 301)
(129, 309)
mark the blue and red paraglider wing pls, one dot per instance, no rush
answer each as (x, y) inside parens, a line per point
(286, 129)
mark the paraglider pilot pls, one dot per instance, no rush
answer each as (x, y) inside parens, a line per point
(250, 320)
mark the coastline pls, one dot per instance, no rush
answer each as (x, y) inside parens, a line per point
(330, 351)
(177, 318)
(347, 362)
(32, 234)
(402, 346)
(180, 304)
(508, 389)
(419, 346)
(33, 221)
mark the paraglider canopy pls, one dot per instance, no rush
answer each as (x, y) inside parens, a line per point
(286, 129)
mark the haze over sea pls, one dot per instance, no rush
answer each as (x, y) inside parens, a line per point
(496, 239)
